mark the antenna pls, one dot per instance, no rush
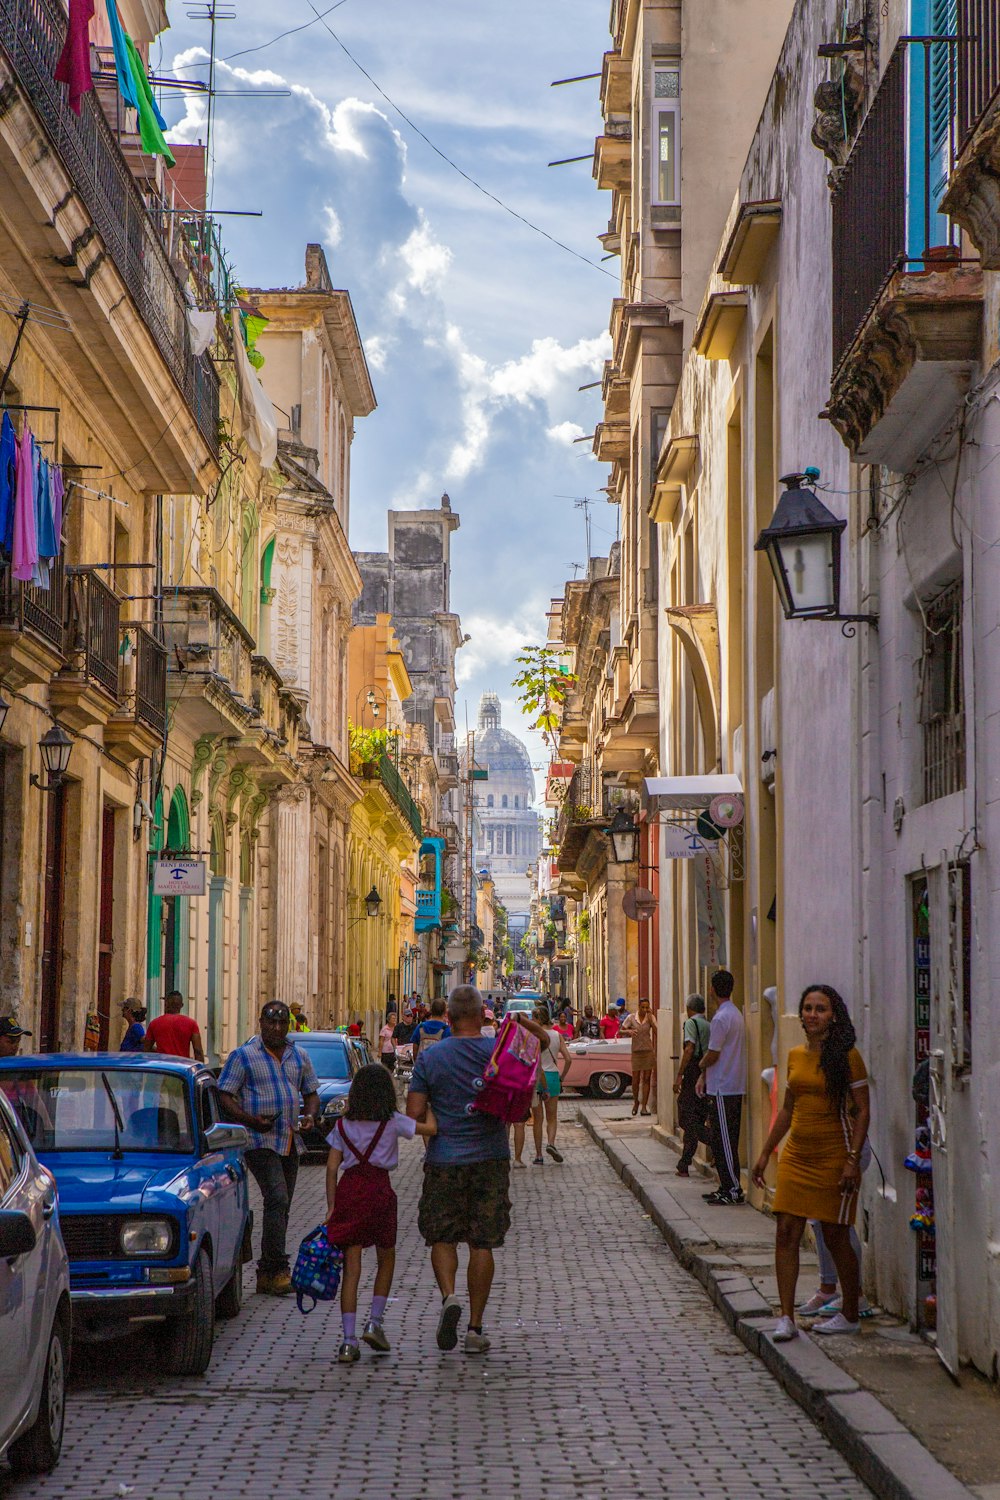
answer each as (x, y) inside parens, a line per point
(577, 569)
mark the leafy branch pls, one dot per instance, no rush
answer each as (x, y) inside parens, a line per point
(543, 685)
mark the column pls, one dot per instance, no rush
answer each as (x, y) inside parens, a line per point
(290, 895)
(617, 950)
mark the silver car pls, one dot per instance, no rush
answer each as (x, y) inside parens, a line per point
(35, 1318)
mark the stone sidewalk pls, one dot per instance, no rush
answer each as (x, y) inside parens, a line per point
(883, 1397)
(611, 1376)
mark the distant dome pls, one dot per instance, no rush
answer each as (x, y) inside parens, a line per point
(502, 752)
(507, 828)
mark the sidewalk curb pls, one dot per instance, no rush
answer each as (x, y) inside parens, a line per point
(892, 1462)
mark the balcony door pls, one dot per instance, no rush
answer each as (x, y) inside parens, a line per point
(932, 103)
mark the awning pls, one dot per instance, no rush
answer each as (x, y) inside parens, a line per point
(666, 794)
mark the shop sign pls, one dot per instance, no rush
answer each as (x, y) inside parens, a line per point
(179, 877)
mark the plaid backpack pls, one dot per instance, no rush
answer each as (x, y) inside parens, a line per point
(317, 1269)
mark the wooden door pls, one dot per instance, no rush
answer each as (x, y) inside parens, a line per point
(52, 923)
(105, 929)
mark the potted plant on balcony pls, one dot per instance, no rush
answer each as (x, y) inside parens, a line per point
(367, 748)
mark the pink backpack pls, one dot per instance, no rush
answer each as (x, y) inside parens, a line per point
(507, 1086)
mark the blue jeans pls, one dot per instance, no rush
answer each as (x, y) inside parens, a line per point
(275, 1176)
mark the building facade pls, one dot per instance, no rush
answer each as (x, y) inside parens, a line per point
(506, 836)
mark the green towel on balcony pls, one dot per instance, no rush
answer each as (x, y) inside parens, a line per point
(151, 122)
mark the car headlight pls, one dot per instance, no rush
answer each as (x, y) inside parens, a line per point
(147, 1237)
(336, 1107)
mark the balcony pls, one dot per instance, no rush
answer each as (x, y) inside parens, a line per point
(210, 673)
(611, 441)
(398, 791)
(31, 37)
(973, 190)
(613, 159)
(85, 690)
(32, 627)
(907, 311)
(137, 729)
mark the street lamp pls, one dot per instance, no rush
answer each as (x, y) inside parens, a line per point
(372, 903)
(624, 836)
(55, 747)
(802, 544)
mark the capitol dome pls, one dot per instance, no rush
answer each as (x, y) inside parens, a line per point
(507, 830)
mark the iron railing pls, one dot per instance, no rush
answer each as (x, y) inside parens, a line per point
(42, 610)
(871, 229)
(94, 621)
(396, 787)
(942, 696)
(31, 35)
(578, 803)
(209, 637)
(150, 680)
(978, 65)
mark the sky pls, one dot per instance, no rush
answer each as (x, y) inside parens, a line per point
(478, 331)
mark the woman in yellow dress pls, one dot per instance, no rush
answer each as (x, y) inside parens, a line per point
(825, 1115)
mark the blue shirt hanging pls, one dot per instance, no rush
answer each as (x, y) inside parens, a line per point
(8, 475)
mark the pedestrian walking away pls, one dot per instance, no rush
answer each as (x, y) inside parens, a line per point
(173, 1033)
(466, 1189)
(260, 1087)
(362, 1205)
(386, 1046)
(724, 1080)
(433, 1030)
(692, 1107)
(552, 1064)
(825, 1114)
(642, 1029)
(133, 1014)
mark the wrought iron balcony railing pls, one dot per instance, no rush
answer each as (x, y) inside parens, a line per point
(42, 611)
(397, 789)
(978, 63)
(31, 34)
(93, 633)
(143, 689)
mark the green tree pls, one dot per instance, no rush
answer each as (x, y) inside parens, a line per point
(543, 684)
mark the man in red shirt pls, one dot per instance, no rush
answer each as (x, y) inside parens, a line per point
(174, 1034)
(610, 1026)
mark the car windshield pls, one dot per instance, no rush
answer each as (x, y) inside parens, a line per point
(328, 1058)
(68, 1109)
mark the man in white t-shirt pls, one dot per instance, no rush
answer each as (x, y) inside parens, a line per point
(724, 1080)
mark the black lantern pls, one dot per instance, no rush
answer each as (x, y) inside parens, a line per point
(372, 902)
(624, 836)
(4, 711)
(803, 547)
(56, 748)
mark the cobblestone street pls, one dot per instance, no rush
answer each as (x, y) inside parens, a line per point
(610, 1375)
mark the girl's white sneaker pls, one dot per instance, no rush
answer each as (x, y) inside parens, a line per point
(837, 1324)
(784, 1331)
(817, 1303)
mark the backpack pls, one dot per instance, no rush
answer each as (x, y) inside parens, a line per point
(431, 1038)
(507, 1087)
(317, 1269)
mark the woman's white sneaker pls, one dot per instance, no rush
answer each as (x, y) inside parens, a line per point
(837, 1324)
(784, 1331)
(815, 1305)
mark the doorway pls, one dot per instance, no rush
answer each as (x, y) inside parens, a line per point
(54, 895)
(106, 927)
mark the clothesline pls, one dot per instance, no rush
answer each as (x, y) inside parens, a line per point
(32, 494)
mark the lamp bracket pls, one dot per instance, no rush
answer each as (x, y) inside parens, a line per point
(846, 622)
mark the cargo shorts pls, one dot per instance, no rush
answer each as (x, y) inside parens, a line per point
(466, 1204)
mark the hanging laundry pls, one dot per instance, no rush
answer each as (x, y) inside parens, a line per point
(8, 481)
(151, 122)
(48, 537)
(255, 405)
(73, 67)
(123, 68)
(57, 490)
(24, 549)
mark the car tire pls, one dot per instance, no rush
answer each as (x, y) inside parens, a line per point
(188, 1339)
(608, 1085)
(230, 1300)
(38, 1450)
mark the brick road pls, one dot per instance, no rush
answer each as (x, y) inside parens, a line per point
(610, 1375)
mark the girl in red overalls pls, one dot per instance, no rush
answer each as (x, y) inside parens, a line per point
(362, 1205)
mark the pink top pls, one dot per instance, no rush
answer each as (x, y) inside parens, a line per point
(360, 1133)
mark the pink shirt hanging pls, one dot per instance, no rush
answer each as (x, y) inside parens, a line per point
(24, 553)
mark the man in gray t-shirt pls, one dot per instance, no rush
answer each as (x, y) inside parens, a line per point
(724, 1081)
(466, 1191)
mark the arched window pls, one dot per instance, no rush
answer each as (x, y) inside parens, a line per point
(248, 570)
(489, 800)
(503, 800)
(510, 841)
(517, 802)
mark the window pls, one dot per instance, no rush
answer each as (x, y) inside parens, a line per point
(941, 700)
(517, 802)
(10, 1157)
(489, 800)
(503, 800)
(659, 418)
(667, 135)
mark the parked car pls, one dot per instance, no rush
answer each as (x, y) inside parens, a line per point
(602, 1069)
(35, 1312)
(153, 1199)
(336, 1058)
(525, 1001)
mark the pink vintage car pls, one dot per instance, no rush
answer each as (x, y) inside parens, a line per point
(602, 1069)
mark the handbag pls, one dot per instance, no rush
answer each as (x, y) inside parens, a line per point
(507, 1087)
(317, 1269)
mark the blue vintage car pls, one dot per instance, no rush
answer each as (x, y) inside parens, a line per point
(153, 1199)
(336, 1058)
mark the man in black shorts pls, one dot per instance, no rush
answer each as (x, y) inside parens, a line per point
(466, 1197)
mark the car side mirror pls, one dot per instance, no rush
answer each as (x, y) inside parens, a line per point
(226, 1137)
(17, 1233)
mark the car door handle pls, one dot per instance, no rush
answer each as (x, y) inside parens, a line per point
(48, 1209)
(232, 1172)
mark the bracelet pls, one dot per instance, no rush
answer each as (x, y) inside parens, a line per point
(853, 1156)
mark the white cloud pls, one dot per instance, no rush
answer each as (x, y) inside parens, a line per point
(425, 258)
(565, 432)
(377, 349)
(496, 640)
(333, 231)
(547, 365)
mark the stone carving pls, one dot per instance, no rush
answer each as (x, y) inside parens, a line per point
(285, 627)
(840, 103)
(973, 196)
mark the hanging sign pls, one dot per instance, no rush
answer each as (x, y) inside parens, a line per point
(681, 842)
(711, 914)
(179, 877)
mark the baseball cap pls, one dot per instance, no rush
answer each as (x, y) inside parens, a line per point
(10, 1027)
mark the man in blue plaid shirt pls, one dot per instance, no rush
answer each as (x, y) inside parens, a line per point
(261, 1084)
